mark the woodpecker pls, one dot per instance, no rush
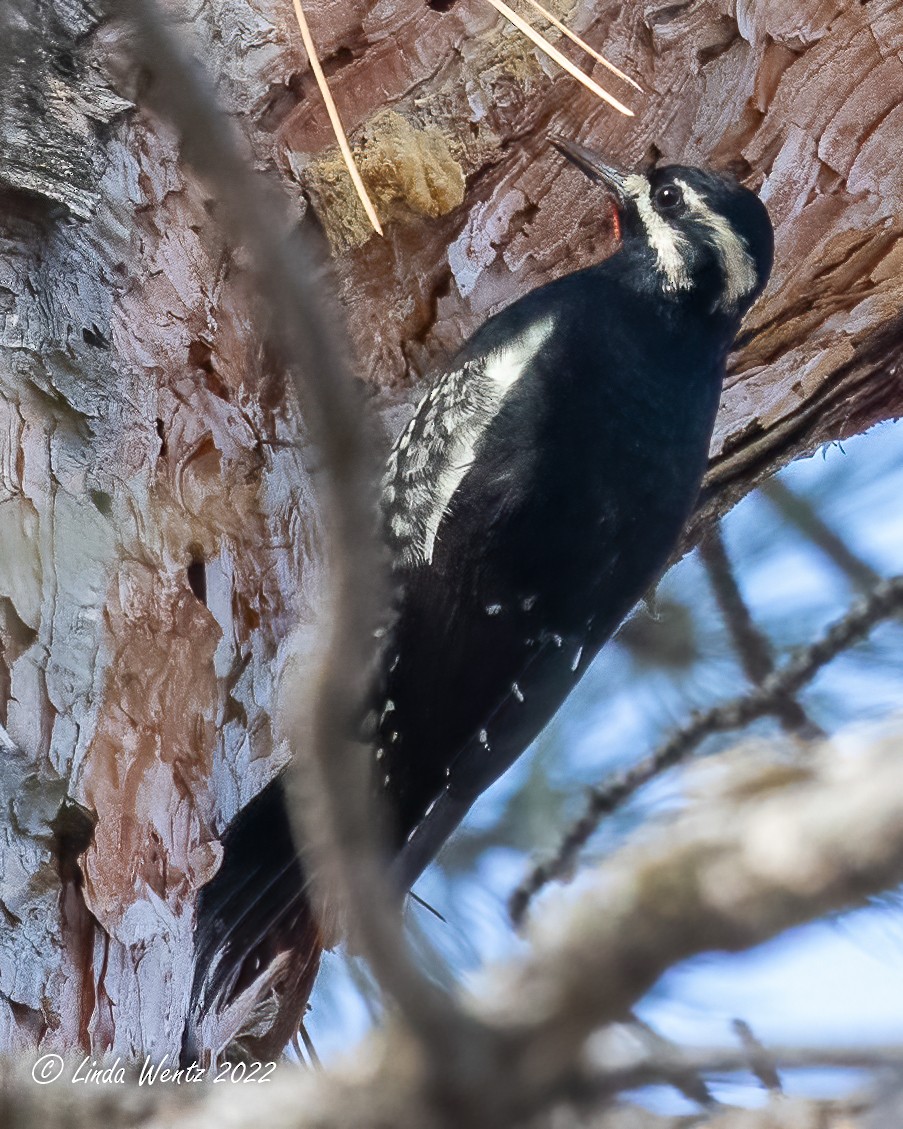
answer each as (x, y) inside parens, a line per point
(534, 496)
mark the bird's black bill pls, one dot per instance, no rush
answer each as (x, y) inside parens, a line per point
(590, 164)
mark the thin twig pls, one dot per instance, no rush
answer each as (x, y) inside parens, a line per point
(562, 60)
(751, 645)
(591, 51)
(761, 1061)
(753, 649)
(800, 513)
(885, 600)
(337, 127)
(689, 1081)
(727, 1061)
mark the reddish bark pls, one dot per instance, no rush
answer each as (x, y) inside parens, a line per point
(145, 431)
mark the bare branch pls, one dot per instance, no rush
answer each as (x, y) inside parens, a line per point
(752, 647)
(690, 1082)
(765, 844)
(761, 1061)
(885, 600)
(768, 843)
(711, 1061)
(800, 513)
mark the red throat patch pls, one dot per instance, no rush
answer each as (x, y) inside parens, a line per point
(615, 220)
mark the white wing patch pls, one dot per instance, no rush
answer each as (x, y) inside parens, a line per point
(669, 244)
(504, 369)
(740, 277)
(459, 458)
(437, 448)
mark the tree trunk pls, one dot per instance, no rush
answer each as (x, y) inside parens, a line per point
(158, 533)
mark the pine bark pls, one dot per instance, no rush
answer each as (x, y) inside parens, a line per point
(158, 524)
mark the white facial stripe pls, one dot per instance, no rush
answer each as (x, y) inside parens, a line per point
(740, 275)
(503, 370)
(669, 244)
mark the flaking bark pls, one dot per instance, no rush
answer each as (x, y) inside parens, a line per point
(158, 536)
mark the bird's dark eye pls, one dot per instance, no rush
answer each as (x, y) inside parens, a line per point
(668, 198)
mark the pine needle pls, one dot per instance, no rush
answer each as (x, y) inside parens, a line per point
(544, 45)
(334, 118)
(583, 44)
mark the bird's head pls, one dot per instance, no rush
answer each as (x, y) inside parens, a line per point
(704, 237)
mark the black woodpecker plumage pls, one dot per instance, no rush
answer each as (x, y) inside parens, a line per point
(533, 498)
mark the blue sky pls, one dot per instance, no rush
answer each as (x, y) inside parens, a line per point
(832, 982)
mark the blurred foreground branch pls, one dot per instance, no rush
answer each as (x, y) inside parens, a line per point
(769, 697)
(331, 811)
(799, 512)
(752, 646)
(765, 842)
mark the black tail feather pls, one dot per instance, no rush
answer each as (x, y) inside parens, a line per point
(253, 909)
